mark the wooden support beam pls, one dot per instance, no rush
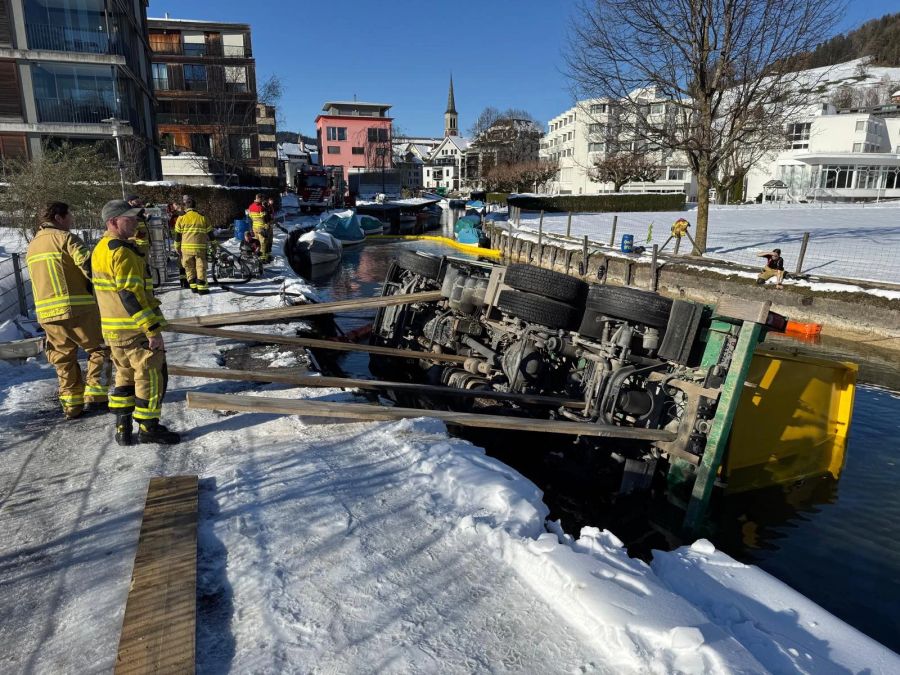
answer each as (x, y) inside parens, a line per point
(361, 412)
(160, 614)
(376, 385)
(300, 311)
(312, 343)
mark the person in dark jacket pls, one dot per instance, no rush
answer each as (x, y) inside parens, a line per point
(774, 268)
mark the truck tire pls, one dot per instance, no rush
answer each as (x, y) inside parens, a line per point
(536, 309)
(631, 304)
(546, 283)
(423, 264)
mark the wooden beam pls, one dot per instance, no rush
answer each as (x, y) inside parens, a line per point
(299, 311)
(312, 343)
(160, 614)
(361, 412)
(377, 385)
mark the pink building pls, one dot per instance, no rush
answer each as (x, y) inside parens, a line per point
(355, 135)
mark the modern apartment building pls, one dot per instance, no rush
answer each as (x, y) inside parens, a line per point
(69, 66)
(204, 76)
(355, 135)
(836, 155)
(591, 130)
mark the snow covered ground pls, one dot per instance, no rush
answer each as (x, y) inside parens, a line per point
(361, 547)
(853, 241)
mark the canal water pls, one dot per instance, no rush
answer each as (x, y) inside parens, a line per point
(837, 542)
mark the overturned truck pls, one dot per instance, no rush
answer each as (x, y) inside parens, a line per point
(674, 386)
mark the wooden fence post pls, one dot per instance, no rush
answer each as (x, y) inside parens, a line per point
(802, 253)
(654, 268)
(569, 225)
(612, 237)
(540, 244)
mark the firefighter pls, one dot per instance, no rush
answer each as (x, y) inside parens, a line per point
(192, 239)
(59, 267)
(259, 218)
(131, 322)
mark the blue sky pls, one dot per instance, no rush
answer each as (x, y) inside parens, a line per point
(504, 53)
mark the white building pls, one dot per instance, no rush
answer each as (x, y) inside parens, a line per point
(843, 155)
(589, 131)
(446, 164)
(410, 157)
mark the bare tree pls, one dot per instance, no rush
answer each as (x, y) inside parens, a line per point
(715, 67)
(83, 177)
(624, 167)
(519, 176)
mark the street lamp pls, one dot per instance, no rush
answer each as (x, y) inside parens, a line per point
(116, 124)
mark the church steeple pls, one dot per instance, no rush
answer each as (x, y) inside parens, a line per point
(450, 116)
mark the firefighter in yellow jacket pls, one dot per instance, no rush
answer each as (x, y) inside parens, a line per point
(59, 266)
(131, 322)
(191, 239)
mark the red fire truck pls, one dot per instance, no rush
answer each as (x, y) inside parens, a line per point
(318, 187)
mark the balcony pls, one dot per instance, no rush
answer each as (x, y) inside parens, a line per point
(64, 38)
(199, 50)
(67, 111)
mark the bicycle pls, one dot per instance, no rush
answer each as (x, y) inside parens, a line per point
(230, 269)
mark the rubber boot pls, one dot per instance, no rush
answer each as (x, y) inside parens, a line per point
(124, 429)
(91, 407)
(151, 431)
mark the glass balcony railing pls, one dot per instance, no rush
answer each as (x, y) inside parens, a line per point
(64, 38)
(68, 111)
(199, 49)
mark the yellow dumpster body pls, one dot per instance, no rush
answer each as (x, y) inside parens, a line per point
(792, 421)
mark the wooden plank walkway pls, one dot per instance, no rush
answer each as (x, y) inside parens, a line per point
(158, 631)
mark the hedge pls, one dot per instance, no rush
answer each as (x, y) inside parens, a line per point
(497, 197)
(220, 205)
(599, 203)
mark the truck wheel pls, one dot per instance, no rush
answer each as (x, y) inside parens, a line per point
(423, 264)
(631, 304)
(536, 309)
(546, 283)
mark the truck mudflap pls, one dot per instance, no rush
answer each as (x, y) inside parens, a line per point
(792, 421)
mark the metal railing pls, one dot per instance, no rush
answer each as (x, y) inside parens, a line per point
(16, 297)
(200, 50)
(74, 112)
(65, 38)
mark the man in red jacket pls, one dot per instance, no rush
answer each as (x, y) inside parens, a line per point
(262, 227)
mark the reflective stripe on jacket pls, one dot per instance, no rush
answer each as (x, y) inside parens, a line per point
(192, 232)
(258, 216)
(124, 293)
(59, 267)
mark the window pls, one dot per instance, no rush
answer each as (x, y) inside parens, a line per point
(334, 149)
(201, 144)
(240, 147)
(595, 128)
(596, 147)
(677, 174)
(657, 108)
(599, 109)
(160, 76)
(357, 150)
(195, 78)
(865, 125)
(235, 78)
(337, 133)
(798, 136)
(265, 128)
(268, 145)
(378, 135)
